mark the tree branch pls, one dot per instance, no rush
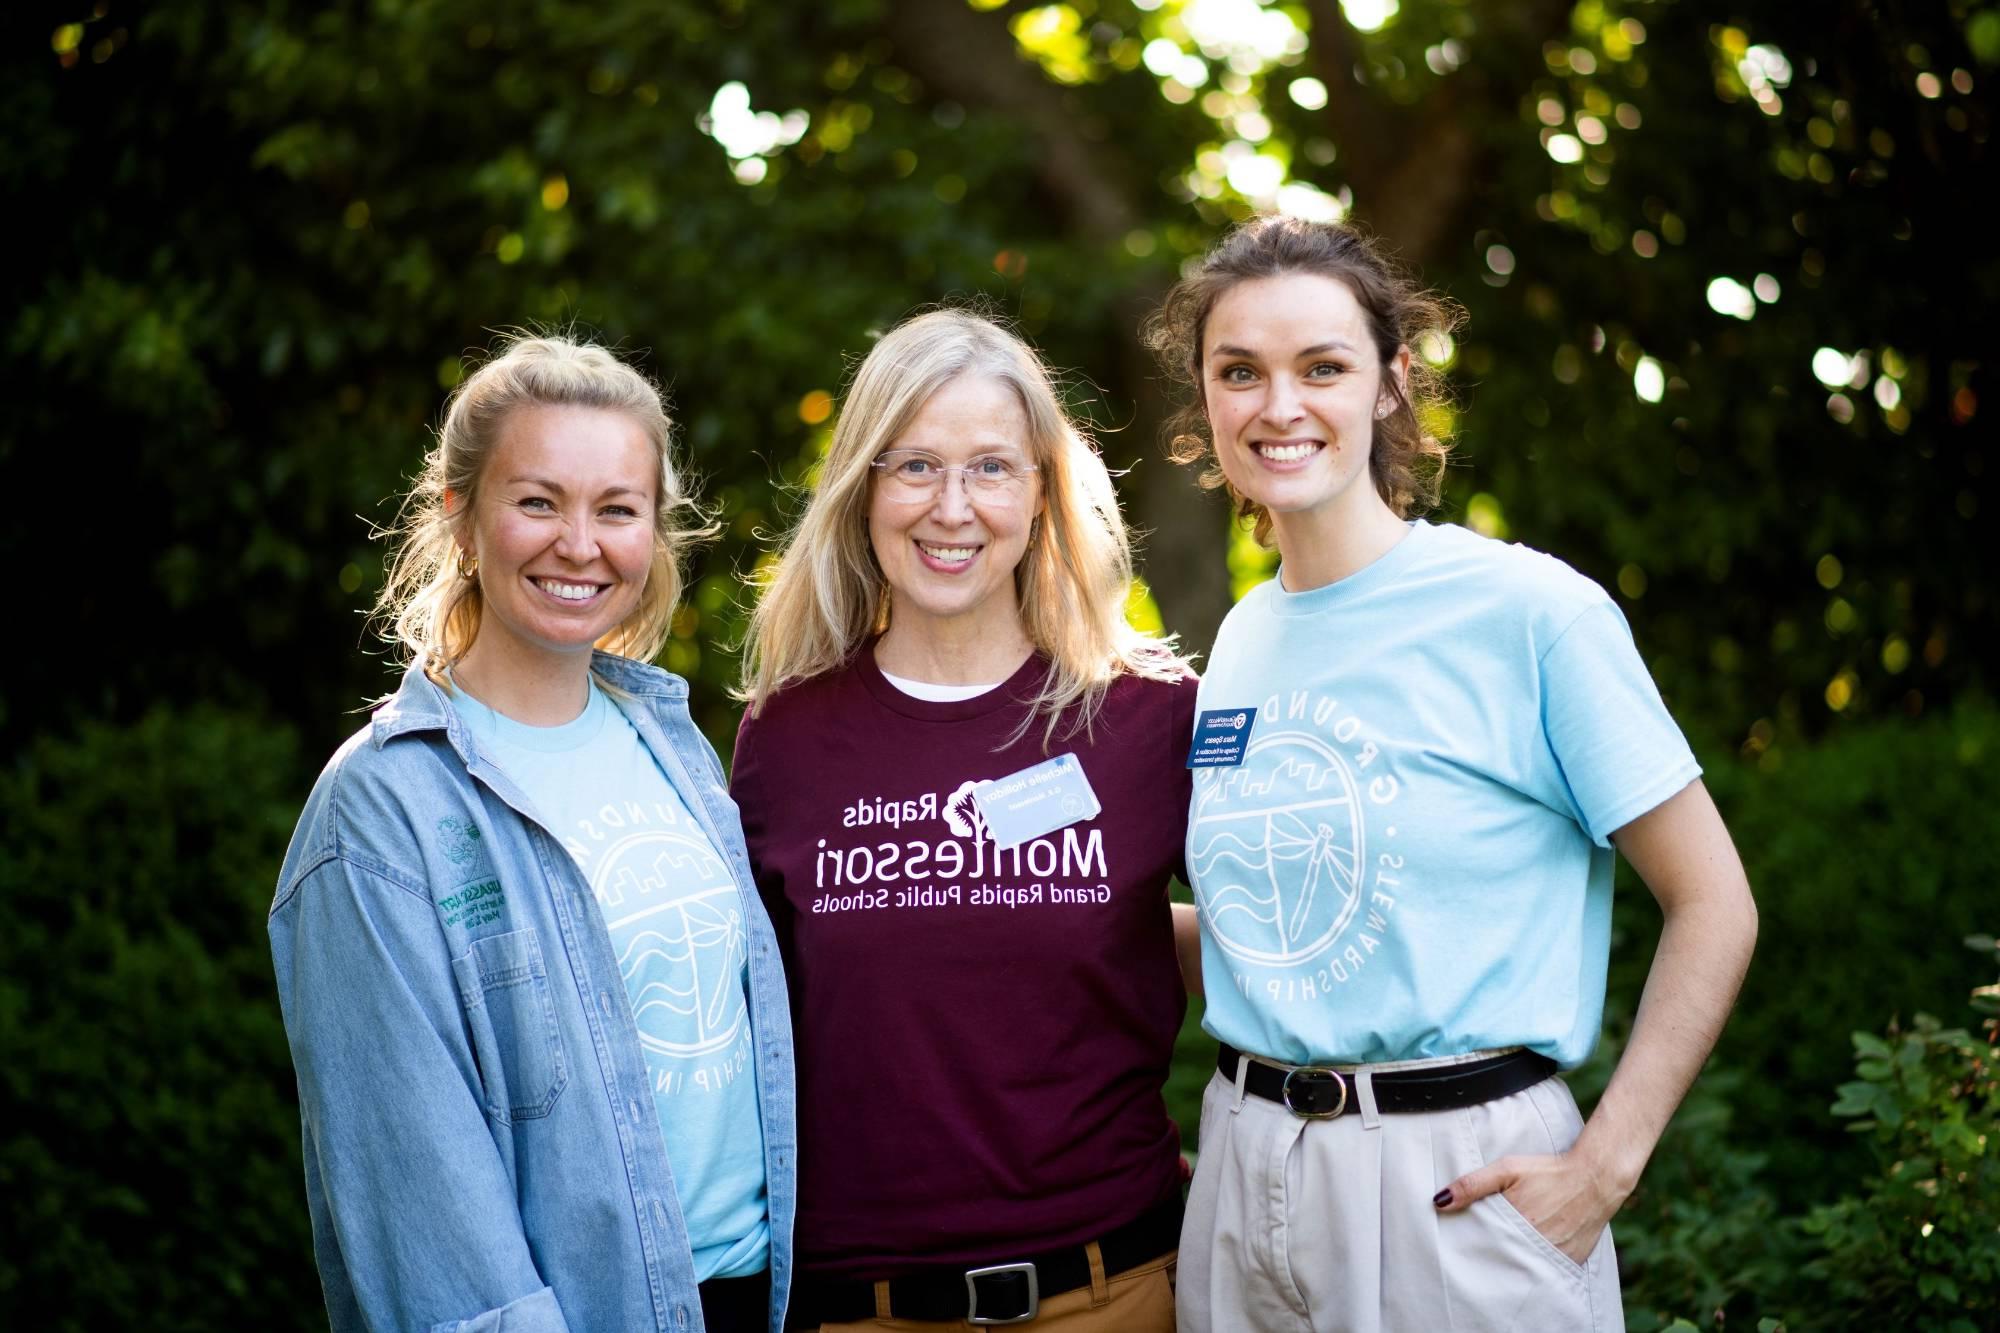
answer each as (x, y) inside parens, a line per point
(1364, 125)
(1413, 169)
(971, 57)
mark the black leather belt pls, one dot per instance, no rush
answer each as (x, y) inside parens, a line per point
(1010, 1292)
(1319, 1092)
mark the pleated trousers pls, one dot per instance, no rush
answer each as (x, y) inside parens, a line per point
(1327, 1226)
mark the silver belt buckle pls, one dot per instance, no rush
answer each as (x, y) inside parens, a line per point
(1285, 1091)
(972, 1276)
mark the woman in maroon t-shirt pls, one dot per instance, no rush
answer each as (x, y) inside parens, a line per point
(985, 987)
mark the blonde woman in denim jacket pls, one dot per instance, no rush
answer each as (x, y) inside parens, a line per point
(536, 1009)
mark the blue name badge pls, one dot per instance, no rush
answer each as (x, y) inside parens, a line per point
(1221, 735)
(1036, 801)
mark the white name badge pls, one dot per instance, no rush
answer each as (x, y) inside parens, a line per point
(1036, 801)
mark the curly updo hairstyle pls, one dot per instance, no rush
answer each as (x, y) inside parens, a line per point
(1406, 457)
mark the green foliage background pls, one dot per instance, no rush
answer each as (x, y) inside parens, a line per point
(254, 243)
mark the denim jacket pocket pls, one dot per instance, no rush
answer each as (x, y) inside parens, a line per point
(504, 989)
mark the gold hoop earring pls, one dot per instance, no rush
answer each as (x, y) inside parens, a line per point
(467, 569)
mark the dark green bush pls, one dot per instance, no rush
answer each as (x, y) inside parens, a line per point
(1864, 854)
(1704, 1232)
(1919, 1247)
(150, 1152)
(1860, 853)
(1913, 1244)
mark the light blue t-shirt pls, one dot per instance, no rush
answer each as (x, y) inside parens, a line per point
(677, 930)
(1414, 858)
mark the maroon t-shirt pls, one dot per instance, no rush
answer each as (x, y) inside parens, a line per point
(982, 1035)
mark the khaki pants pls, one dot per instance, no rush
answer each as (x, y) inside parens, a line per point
(1138, 1300)
(1327, 1226)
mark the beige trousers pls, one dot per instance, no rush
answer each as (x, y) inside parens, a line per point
(1138, 1300)
(1327, 1226)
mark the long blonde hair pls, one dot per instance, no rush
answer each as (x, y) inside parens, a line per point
(430, 607)
(825, 595)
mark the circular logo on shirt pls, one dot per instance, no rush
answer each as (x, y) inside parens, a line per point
(1276, 848)
(675, 917)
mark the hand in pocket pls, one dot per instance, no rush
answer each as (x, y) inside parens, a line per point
(1562, 1196)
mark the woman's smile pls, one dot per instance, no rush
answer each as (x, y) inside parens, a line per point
(575, 594)
(952, 559)
(1287, 455)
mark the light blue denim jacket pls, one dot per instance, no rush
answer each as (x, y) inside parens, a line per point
(482, 1153)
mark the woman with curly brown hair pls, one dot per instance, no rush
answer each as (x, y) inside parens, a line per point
(1416, 752)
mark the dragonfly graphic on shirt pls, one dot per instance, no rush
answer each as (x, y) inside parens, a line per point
(1277, 846)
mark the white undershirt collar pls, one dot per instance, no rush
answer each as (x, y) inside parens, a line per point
(938, 694)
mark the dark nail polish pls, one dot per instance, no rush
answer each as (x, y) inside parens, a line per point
(1441, 1198)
